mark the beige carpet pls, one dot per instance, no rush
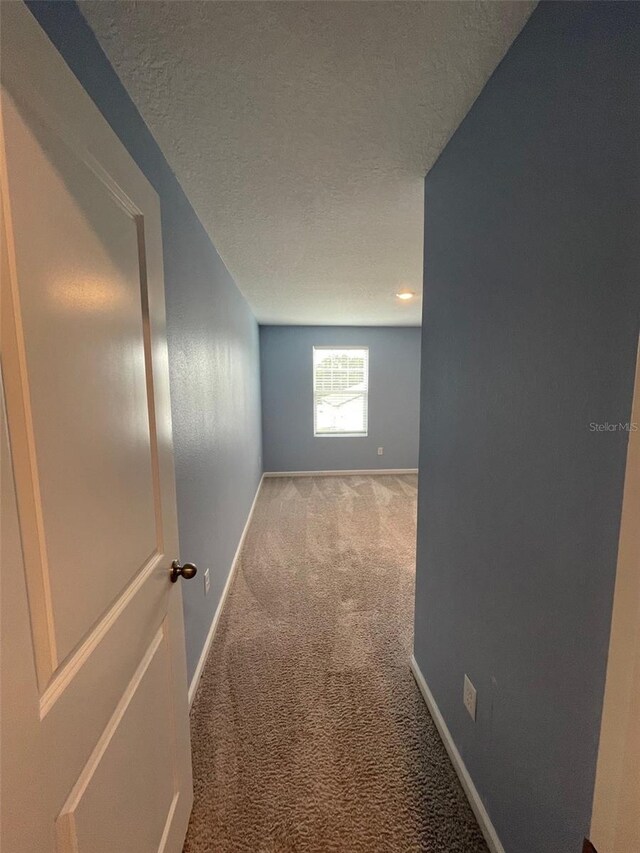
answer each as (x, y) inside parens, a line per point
(309, 733)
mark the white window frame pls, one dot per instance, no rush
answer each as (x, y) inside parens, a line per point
(365, 393)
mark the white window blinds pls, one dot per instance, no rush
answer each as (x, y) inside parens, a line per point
(340, 390)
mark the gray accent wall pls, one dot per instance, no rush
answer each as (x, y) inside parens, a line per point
(287, 399)
(530, 328)
(213, 345)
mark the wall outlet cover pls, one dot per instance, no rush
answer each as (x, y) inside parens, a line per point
(380, 451)
(469, 697)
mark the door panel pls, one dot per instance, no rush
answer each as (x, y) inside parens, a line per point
(81, 313)
(95, 737)
(81, 827)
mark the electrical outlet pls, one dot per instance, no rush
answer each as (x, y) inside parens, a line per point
(469, 698)
(380, 451)
(207, 581)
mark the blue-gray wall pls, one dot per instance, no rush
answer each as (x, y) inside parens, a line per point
(213, 344)
(287, 399)
(531, 304)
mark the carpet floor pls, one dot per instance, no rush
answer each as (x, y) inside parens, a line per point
(309, 733)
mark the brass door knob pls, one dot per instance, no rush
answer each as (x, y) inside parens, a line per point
(187, 571)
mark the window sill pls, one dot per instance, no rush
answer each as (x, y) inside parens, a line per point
(340, 435)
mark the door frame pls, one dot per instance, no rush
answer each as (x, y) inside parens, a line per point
(619, 748)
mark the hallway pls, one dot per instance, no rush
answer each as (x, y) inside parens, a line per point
(308, 730)
(268, 270)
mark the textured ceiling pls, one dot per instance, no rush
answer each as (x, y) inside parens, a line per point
(301, 133)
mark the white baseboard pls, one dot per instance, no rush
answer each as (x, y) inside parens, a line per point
(367, 471)
(482, 816)
(193, 687)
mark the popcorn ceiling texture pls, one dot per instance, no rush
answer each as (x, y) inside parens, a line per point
(301, 133)
(309, 733)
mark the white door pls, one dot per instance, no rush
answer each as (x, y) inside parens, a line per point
(95, 737)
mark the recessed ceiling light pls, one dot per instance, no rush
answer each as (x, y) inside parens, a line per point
(405, 294)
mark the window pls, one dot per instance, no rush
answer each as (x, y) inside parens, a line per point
(340, 390)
